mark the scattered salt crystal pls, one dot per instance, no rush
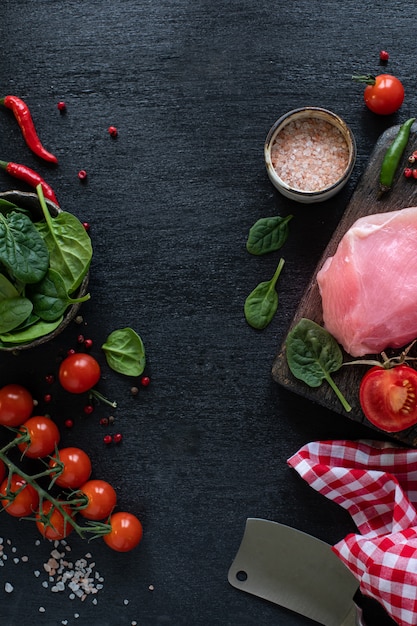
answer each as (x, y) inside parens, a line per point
(16, 560)
(125, 602)
(25, 559)
(8, 587)
(151, 587)
(42, 609)
(36, 573)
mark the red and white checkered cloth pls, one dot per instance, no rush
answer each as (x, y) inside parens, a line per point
(377, 483)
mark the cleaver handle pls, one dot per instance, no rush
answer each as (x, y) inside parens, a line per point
(354, 617)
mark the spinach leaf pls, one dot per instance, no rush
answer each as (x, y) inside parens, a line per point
(125, 352)
(50, 297)
(35, 331)
(268, 234)
(262, 303)
(69, 246)
(7, 289)
(22, 250)
(13, 311)
(313, 354)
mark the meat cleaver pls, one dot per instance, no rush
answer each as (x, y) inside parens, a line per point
(296, 571)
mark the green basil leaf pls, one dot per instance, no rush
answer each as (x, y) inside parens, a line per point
(268, 234)
(50, 298)
(22, 250)
(125, 352)
(313, 355)
(13, 311)
(262, 303)
(7, 289)
(35, 331)
(69, 246)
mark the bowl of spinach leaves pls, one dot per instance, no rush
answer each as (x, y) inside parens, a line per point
(45, 256)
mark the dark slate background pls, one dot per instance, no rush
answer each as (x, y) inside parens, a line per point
(193, 88)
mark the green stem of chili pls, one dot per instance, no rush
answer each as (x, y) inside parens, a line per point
(393, 156)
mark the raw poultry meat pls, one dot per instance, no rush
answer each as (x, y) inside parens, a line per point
(369, 287)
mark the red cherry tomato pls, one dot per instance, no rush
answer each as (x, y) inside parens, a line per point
(44, 437)
(126, 532)
(16, 405)
(388, 397)
(101, 499)
(51, 523)
(385, 96)
(76, 467)
(79, 372)
(25, 497)
(2, 470)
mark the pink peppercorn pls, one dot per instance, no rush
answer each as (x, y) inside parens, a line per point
(61, 106)
(88, 343)
(117, 437)
(145, 381)
(112, 130)
(384, 56)
(82, 174)
(408, 172)
(107, 439)
(69, 423)
(88, 409)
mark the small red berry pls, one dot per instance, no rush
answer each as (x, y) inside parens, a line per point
(69, 423)
(49, 379)
(408, 172)
(414, 173)
(61, 106)
(82, 174)
(70, 351)
(88, 343)
(112, 130)
(47, 398)
(88, 409)
(86, 226)
(107, 439)
(384, 56)
(117, 437)
(80, 339)
(145, 381)
(104, 421)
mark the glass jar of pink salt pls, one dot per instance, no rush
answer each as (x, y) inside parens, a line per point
(309, 154)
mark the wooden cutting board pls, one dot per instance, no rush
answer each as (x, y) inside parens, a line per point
(364, 201)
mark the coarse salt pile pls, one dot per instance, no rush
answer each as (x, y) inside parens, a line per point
(310, 154)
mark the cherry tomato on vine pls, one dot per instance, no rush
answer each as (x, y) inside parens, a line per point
(79, 372)
(16, 405)
(76, 467)
(126, 532)
(24, 498)
(2, 470)
(384, 94)
(51, 523)
(101, 499)
(388, 397)
(44, 437)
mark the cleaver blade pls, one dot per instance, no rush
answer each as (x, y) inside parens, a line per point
(297, 571)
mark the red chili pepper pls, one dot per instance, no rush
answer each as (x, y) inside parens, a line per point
(30, 177)
(24, 119)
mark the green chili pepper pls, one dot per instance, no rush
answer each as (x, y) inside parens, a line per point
(392, 157)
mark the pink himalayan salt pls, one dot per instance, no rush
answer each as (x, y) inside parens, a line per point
(310, 154)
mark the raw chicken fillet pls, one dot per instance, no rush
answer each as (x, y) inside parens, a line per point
(369, 287)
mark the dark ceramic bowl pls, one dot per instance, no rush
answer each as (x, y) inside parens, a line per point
(30, 202)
